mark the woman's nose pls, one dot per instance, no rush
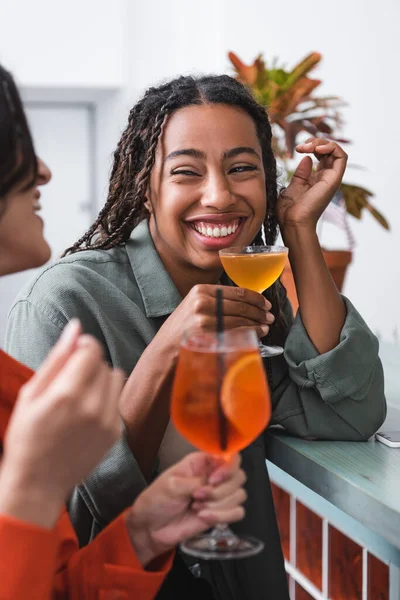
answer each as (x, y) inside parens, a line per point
(217, 194)
(43, 173)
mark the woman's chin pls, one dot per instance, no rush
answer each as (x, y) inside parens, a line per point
(35, 258)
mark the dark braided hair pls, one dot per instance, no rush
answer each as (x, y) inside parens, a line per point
(135, 156)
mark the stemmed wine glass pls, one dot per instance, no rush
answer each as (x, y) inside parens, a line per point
(220, 403)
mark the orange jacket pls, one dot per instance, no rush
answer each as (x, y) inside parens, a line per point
(40, 564)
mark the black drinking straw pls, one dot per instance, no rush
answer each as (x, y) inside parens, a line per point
(223, 430)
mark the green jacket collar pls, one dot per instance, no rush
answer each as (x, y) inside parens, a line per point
(160, 296)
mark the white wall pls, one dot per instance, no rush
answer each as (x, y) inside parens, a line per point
(129, 45)
(53, 43)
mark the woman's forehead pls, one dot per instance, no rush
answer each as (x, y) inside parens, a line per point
(206, 125)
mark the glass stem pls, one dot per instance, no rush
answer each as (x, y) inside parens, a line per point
(222, 530)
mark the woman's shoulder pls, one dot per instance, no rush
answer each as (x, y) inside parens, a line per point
(89, 270)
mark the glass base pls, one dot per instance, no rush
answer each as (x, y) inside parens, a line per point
(222, 547)
(270, 351)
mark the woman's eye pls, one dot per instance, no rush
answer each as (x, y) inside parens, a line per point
(186, 172)
(243, 169)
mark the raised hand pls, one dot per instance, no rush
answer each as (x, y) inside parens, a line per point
(187, 499)
(65, 420)
(309, 192)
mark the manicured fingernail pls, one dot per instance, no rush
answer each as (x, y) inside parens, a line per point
(70, 330)
(270, 318)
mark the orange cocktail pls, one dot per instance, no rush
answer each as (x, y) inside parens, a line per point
(220, 400)
(255, 268)
(255, 271)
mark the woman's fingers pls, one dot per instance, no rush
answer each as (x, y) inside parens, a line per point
(223, 482)
(326, 149)
(226, 470)
(229, 515)
(203, 293)
(247, 311)
(222, 493)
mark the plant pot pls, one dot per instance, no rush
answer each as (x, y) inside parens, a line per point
(337, 262)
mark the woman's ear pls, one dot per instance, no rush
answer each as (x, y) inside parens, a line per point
(147, 200)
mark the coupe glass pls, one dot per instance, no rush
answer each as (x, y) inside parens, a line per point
(255, 268)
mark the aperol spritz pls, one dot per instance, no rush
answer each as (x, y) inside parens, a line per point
(220, 403)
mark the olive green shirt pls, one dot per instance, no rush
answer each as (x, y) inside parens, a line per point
(123, 296)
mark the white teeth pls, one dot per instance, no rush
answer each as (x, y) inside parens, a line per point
(215, 231)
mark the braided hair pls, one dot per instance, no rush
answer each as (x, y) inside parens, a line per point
(135, 155)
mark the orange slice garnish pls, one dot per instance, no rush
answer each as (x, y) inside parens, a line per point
(245, 397)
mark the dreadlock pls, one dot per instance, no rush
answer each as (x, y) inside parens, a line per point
(135, 156)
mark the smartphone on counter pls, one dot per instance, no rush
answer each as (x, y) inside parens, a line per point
(389, 438)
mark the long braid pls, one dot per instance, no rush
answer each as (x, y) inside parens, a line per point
(122, 233)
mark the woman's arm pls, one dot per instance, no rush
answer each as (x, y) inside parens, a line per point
(338, 395)
(298, 209)
(323, 311)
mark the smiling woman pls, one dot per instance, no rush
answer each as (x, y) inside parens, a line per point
(194, 173)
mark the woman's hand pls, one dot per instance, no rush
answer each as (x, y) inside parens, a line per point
(241, 308)
(309, 192)
(65, 420)
(187, 499)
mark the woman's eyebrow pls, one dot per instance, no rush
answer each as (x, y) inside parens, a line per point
(241, 150)
(232, 153)
(186, 152)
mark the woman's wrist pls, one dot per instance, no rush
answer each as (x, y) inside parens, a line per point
(140, 538)
(27, 499)
(296, 233)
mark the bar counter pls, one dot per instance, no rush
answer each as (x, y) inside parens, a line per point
(338, 508)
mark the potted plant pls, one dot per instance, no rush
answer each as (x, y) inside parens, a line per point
(295, 110)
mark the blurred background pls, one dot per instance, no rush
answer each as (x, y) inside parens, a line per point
(81, 65)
